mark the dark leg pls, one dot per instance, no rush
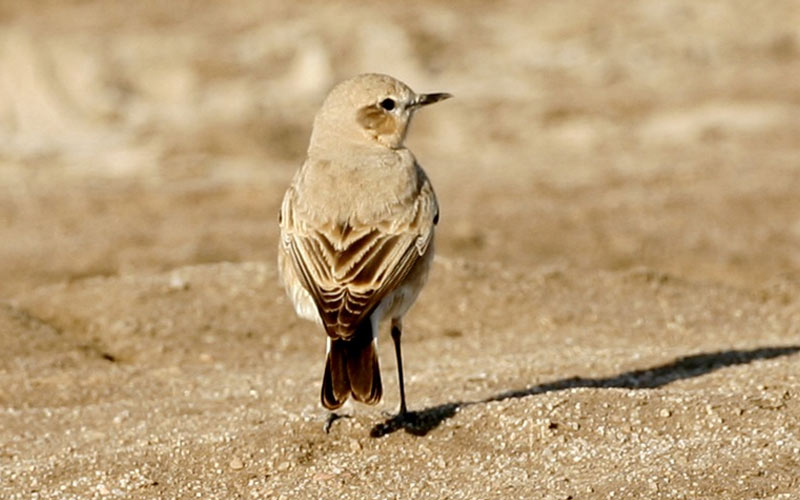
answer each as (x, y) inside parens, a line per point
(397, 331)
(332, 417)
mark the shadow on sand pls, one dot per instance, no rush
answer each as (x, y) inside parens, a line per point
(421, 422)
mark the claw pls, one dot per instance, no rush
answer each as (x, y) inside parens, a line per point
(333, 417)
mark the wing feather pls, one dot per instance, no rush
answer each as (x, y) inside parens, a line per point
(348, 270)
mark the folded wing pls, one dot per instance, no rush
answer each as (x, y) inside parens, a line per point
(349, 268)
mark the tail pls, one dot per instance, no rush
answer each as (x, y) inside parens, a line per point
(352, 368)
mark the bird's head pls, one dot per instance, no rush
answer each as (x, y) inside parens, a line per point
(370, 107)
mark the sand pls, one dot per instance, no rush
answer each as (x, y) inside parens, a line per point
(614, 310)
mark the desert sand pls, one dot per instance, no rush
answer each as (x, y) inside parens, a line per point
(614, 310)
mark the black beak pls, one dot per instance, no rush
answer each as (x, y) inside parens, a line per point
(425, 99)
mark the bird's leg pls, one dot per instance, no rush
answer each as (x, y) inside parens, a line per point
(332, 417)
(397, 331)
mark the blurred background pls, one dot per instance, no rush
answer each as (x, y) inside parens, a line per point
(608, 134)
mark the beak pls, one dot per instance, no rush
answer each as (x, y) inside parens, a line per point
(425, 99)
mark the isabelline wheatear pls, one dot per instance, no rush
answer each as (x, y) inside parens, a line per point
(357, 230)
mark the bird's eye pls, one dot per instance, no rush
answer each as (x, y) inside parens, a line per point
(388, 104)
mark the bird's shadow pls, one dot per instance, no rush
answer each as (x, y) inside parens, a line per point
(419, 423)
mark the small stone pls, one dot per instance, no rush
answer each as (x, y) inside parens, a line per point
(101, 489)
(121, 417)
(236, 464)
(178, 283)
(355, 446)
(283, 466)
(664, 413)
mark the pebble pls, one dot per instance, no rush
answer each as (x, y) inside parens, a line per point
(236, 464)
(178, 283)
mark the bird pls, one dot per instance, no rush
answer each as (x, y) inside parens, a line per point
(357, 231)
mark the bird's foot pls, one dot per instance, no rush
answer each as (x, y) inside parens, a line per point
(402, 414)
(408, 420)
(332, 417)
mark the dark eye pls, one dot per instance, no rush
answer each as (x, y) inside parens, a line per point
(388, 104)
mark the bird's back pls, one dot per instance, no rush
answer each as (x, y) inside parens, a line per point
(366, 186)
(354, 229)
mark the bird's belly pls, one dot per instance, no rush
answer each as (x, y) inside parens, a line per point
(397, 303)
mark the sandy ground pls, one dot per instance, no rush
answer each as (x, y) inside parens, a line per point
(614, 311)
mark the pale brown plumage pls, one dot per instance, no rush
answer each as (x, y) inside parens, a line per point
(357, 229)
